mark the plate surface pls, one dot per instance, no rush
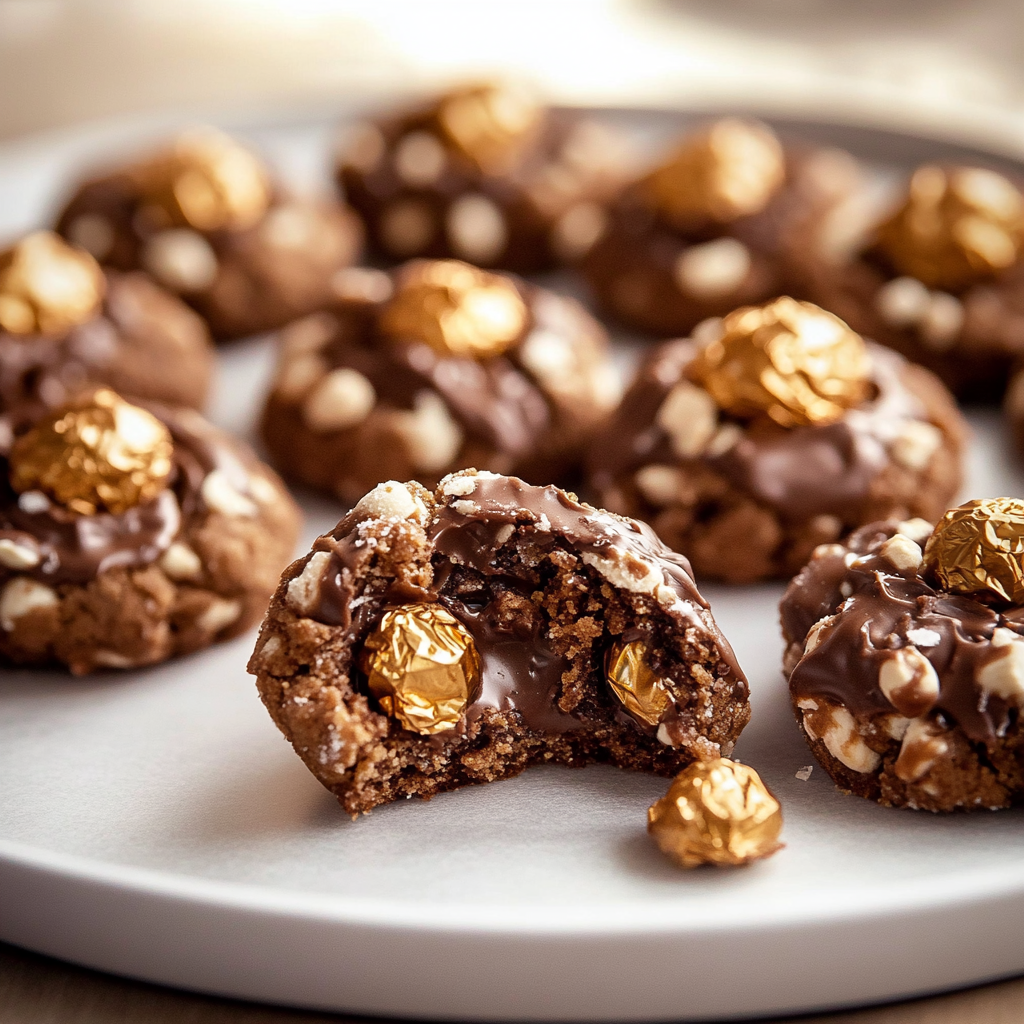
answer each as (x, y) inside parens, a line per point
(155, 823)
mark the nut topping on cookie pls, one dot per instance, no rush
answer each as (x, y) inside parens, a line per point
(422, 666)
(716, 812)
(978, 548)
(46, 286)
(96, 454)
(787, 359)
(729, 170)
(489, 123)
(455, 309)
(956, 227)
(206, 181)
(640, 691)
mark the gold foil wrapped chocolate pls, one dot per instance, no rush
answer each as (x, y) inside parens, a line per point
(456, 309)
(730, 169)
(422, 666)
(789, 360)
(716, 812)
(956, 227)
(48, 287)
(207, 181)
(490, 124)
(96, 454)
(638, 688)
(978, 548)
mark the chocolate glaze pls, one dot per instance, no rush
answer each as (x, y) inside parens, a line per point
(876, 607)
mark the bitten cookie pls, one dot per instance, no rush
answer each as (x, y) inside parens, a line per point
(433, 368)
(770, 432)
(437, 640)
(65, 325)
(204, 217)
(941, 279)
(906, 668)
(728, 218)
(483, 174)
(129, 535)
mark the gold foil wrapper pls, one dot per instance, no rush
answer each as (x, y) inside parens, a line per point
(423, 667)
(48, 287)
(491, 124)
(956, 227)
(456, 309)
(731, 169)
(207, 181)
(789, 360)
(638, 688)
(96, 454)
(978, 548)
(716, 812)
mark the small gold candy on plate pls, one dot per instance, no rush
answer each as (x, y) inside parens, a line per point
(456, 309)
(490, 124)
(422, 666)
(956, 227)
(48, 287)
(730, 169)
(206, 181)
(978, 548)
(96, 454)
(716, 812)
(787, 359)
(640, 691)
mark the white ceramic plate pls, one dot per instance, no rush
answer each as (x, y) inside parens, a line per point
(155, 824)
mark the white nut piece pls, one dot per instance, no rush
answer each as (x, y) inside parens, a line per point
(548, 355)
(814, 636)
(406, 227)
(902, 302)
(916, 529)
(1004, 675)
(95, 234)
(180, 562)
(942, 322)
(902, 553)
(915, 445)
(923, 745)
(21, 596)
(219, 614)
(577, 230)
(457, 485)
(304, 590)
(220, 495)
(391, 500)
(342, 399)
(297, 375)
(660, 485)
(689, 417)
(624, 569)
(837, 729)
(17, 556)
(431, 435)
(181, 259)
(419, 159)
(713, 269)
(476, 229)
(909, 681)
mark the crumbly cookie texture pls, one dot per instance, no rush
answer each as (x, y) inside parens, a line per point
(940, 280)
(191, 564)
(205, 219)
(546, 591)
(748, 497)
(433, 367)
(482, 174)
(908, 693)
(728, 218)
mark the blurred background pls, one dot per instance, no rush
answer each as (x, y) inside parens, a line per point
(945, 68)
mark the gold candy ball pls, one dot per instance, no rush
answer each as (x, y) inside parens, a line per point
(956, 227)
(728, 170)
(716, 812)
(789, 360)
(96, 454)
(638, 688)
(422, 666)
(490, 123)
(456, 309)
(48, 287)
(978, 548)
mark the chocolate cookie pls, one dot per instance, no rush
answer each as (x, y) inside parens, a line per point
(437, 640)
(941, 279)
(129, 535)
(906, 667)
(770, 432)
(483, 174)
(204, 217)
(433, 368)
(65, 325)
(730, 217)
